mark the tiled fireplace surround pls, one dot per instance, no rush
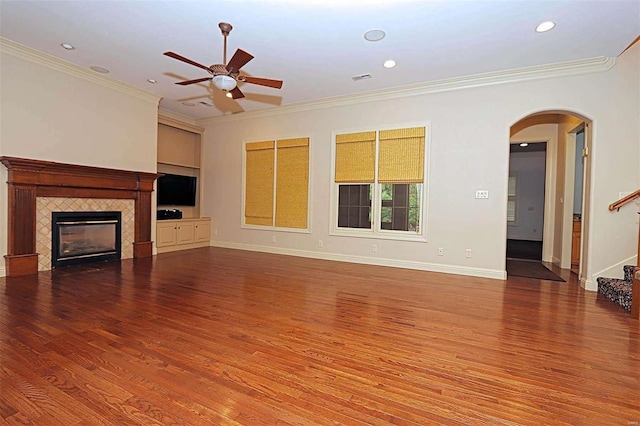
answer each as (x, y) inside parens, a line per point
(46, 205)
(37, 188)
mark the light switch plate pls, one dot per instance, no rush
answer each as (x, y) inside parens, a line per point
(482, 193)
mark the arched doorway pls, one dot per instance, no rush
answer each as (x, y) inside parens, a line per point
(560, 132)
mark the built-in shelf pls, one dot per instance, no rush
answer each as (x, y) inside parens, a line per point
(179, 152)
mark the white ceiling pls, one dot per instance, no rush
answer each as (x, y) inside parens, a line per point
(315, 46)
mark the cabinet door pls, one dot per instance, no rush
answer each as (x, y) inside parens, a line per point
(203, 231)
(166, 234)
(185, 232)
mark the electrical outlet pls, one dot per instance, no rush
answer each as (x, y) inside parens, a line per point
(215, 231)
(320, 244)
(467, 253)
(440, 251)
(374, 248)
(273, 239)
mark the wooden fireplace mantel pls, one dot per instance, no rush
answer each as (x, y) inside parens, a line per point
(29, 179)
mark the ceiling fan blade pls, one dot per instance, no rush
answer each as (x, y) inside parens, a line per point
(197, 80)
(239, 59)
(236, 93)
(187, 60)
(276, 84)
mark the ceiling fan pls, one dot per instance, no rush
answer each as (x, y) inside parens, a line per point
(226, 76)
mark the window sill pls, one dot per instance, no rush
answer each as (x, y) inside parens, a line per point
(380, 235)
(276, 229)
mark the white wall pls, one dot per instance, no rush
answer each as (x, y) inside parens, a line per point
(49, 114)
(468, 151)
(529, 167)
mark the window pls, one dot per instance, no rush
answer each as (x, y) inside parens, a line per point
(276, 183)
(511, 200)
(401, 207)
(379, 179)
(354, 206)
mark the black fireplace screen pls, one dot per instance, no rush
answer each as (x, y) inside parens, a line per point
(82, 237)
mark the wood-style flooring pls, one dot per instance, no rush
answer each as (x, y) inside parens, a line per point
(225, 337)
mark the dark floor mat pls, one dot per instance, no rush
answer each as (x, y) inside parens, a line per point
(530, 269)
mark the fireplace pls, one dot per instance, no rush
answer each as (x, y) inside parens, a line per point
(83, 237)
(29, 180)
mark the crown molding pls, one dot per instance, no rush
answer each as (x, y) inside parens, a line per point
(26, 53)
(561, 69)
(179, 121)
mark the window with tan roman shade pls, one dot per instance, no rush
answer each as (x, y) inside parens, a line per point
(379, 178)
(277, 183)
(292, 182)
(355, 157)
(401, 156)
(258, 208)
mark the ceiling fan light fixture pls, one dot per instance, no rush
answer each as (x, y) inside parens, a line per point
(224, 82)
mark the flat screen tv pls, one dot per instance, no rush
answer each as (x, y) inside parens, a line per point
(176, 190)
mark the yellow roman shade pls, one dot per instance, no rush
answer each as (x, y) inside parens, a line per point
(355, 157)
(258, 209)
(292, 183)
(401, 155)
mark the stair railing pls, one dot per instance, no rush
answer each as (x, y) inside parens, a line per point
(635, 289)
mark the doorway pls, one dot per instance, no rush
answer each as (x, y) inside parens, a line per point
(525, 208)
(566, 179)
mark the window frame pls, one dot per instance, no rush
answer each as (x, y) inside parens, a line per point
(273, 227)
(515, 198)
(376, 230)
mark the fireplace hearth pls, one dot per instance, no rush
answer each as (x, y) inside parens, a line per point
(84, 237)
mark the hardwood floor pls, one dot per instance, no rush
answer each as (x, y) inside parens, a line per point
(224, 337)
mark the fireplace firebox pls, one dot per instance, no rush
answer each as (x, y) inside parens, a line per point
(83, 237)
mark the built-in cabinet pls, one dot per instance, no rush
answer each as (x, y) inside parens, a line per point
(179, 152)
(182, 234)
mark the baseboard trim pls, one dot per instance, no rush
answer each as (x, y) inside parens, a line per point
(394, 263)
(3, 272)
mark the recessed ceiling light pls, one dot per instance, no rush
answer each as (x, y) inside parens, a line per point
(389, 63)
(524, 144)
(229, 95)
(67, 46)
(545, 26)
(374, 35)
(188, 104)
(99, 69)
(152, 81)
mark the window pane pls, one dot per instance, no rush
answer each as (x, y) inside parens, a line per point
(354, 206)
(400, 222)
(400, 207)
(511, 211)
(512, 186)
